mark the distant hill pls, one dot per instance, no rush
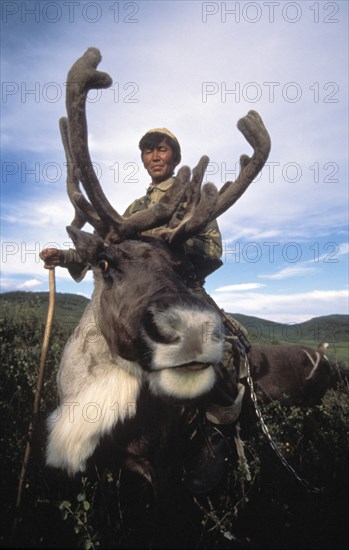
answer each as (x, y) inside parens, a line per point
(329, 328)
(69, 308)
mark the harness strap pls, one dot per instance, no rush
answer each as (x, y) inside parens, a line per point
(266, 432)
(239, 444)
(239, 332)
(218, 414)
(240, 339)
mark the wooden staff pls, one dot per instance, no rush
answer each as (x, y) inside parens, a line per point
(39, 384)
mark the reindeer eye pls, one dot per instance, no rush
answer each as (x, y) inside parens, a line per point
(103, 266)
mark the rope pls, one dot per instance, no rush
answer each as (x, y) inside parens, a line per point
(241, 340)
(39, 385)
(266, 432)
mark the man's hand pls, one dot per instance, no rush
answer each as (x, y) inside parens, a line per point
(52, 257)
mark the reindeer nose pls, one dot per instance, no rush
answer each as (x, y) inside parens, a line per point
(181, 334)
(192, 328)
(165, 333)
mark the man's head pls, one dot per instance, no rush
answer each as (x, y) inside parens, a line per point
(161, 153)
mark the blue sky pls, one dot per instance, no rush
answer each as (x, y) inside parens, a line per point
(195, 68)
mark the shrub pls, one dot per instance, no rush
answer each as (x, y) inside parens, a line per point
(273, 510)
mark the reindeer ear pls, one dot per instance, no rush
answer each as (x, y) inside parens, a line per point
(87, 245)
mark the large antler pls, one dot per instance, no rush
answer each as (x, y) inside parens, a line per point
(87, 212)
(83, 77)
(201, 204)
(207, 204)
(253, 129)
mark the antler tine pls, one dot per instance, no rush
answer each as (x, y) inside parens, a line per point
(209, 204)
(82, 77)
(84, 212)
(199, 218)
(192, 194)
(253, 129)
(72, 182)
(192, 216)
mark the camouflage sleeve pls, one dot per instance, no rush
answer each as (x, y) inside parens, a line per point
(205, 250)
(76, 266)
(136, 206)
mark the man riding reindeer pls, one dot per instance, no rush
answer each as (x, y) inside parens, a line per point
(160, 154)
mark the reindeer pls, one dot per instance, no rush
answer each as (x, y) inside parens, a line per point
(156, 344)
(290, 374)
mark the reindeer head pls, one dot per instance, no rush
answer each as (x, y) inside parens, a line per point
(146, 312)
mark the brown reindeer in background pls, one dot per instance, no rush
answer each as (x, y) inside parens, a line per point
(290, 374)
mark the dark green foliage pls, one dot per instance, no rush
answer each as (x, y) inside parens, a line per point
(21, 334)
(33, 305)
(312, 510)
(107, 508)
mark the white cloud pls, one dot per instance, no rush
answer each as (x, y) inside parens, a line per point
(333, 249)
(286, 272)
(285, 308)
(29, 285)
(343, 248)
(239, 287)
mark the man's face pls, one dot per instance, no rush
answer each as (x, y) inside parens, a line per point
(159, 162)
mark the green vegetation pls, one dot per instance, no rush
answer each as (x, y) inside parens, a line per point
(33, 305)
(274, 510)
